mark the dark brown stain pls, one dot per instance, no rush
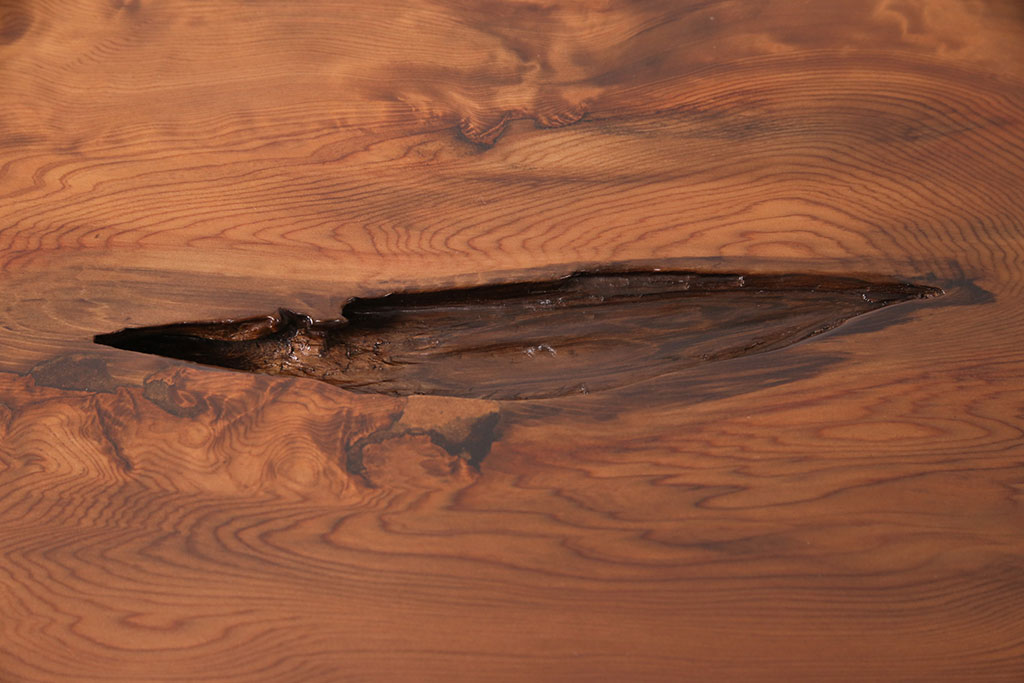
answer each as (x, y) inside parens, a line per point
(474, 446)
(464, 430)
(75, 373)
(173, 399)
(15, 21)
(109, 420)
(353, 457)
(579, 334)
(468, 435)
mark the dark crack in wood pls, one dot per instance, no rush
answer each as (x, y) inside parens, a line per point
(582, 333)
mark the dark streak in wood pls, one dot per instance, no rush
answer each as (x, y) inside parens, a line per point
(74, 373)
(582, 333)
(171, 399)
(106, 422)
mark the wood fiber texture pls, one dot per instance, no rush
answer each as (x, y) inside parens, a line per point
(849, 507)
(529, 340)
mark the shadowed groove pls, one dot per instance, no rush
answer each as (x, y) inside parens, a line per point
(583, 333)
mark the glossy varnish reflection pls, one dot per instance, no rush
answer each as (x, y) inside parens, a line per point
(845, 507)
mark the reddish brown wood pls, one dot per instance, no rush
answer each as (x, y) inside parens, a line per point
(844, 508)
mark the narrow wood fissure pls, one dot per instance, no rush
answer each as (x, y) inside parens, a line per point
(586, 332)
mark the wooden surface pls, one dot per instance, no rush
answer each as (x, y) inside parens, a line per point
(846, 508)
(525, 340)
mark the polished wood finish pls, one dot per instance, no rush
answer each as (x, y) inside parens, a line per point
(848, 507)
(530, 340)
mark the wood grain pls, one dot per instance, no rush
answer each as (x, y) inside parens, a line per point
(526, 340)
(844, 509)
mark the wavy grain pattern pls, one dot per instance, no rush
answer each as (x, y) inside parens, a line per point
(847, 509)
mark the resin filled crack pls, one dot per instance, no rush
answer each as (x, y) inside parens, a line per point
(582, 333)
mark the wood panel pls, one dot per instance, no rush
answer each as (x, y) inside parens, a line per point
(845, 508)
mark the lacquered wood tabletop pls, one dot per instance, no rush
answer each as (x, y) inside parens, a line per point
(771, 429)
